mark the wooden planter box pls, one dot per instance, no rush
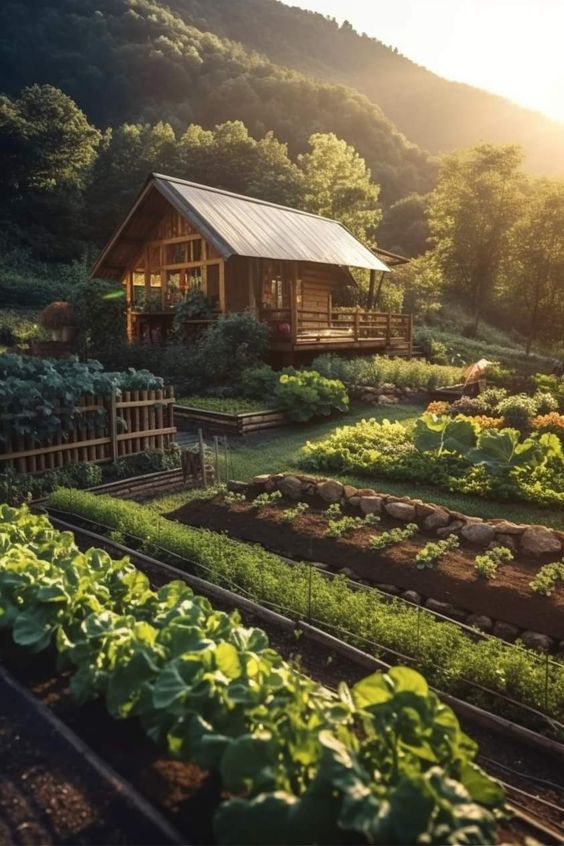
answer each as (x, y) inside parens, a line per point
(234, 424)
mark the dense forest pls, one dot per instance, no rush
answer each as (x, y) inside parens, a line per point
(435, 113)
(133, 60)
(116, 89)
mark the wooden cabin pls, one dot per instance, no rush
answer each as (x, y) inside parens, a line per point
(289, 267)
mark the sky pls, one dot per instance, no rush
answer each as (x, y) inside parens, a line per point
(510, 47)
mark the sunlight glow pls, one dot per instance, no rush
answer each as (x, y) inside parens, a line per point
(510, 47)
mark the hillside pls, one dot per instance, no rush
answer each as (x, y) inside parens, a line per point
(134, 60)
(433, 112)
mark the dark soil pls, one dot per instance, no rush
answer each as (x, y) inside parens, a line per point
(185, 795)
(508, 597)
(50, 793)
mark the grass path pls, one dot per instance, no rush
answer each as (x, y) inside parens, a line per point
(277, 451)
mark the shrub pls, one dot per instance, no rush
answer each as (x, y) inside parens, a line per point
(229, 346)
(260, 382)
(100, 319)
(149, 461)
(305, 394)
(545, 402)
(517, 411)
(552, 422)
(377, 370)
(57, 315)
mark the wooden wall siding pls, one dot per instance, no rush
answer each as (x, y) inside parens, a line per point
(318, 284)
(237, 286)
(133, 422)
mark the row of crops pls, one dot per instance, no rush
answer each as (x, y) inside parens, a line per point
(298, 763)
(475, 670)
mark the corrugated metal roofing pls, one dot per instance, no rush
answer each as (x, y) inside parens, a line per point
(244, 226)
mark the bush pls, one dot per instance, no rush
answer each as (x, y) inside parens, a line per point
(545, 402)
(232, 344)
(260, 382)
(306, 394)
(100, 320)
(517, 411)
(377, 370)
(17, 488)
(552, 422)
(149, 461)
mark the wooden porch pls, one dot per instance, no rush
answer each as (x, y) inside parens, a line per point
(302, 330)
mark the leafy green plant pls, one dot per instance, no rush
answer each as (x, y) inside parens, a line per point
(226, 405)
(440, 434)
(42, 395)
(305, 394)
(266, 499)
(216, 693)
(233, 498)
(441, 650)
(393, 536)
(339, 526)
(432, 552)
(378, 370)
(547, 578)
(487, 564)
(290, 514)
(517, 411)
(502, 451)
(333, 511)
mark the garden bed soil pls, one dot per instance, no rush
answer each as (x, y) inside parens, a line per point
(508, 597)
(50, 792)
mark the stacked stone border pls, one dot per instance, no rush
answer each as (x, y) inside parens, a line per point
(437, 520)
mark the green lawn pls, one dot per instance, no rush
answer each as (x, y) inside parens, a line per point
(277, 450)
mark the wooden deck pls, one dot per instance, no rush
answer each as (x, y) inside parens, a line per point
(299, 330)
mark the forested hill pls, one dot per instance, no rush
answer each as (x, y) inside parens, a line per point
(433, 112)
(135, 60)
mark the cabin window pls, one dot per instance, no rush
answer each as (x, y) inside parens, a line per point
(173, 287)
(194, 278)
(184, 252)
(276, 290)
(155, 280)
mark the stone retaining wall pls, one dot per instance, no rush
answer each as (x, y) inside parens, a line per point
(539, 541)
(438, 520)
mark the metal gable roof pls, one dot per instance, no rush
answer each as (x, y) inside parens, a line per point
(244, 226)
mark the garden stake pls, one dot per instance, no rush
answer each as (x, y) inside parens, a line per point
(216, 449)
(418, 624)
(202, 457)
(309, 593)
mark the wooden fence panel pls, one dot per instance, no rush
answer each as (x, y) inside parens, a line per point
(130, 423)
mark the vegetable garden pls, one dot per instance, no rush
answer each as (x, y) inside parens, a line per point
(323, 766)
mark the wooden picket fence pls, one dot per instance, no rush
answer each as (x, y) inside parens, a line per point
(129, 423)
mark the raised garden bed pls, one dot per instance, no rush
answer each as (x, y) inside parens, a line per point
(233, 423)
(452, 587)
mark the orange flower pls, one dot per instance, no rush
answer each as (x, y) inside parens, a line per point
(553, 422)
(438, 407)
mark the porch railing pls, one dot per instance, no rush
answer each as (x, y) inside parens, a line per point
(340, 324)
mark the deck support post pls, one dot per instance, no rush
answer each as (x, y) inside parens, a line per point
(222, 287)
(371, 287)
(294, 300)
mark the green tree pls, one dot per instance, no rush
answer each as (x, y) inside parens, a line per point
(472, 210)
(404, 228)
(337, 184)
(533, 284)
(47, 148)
